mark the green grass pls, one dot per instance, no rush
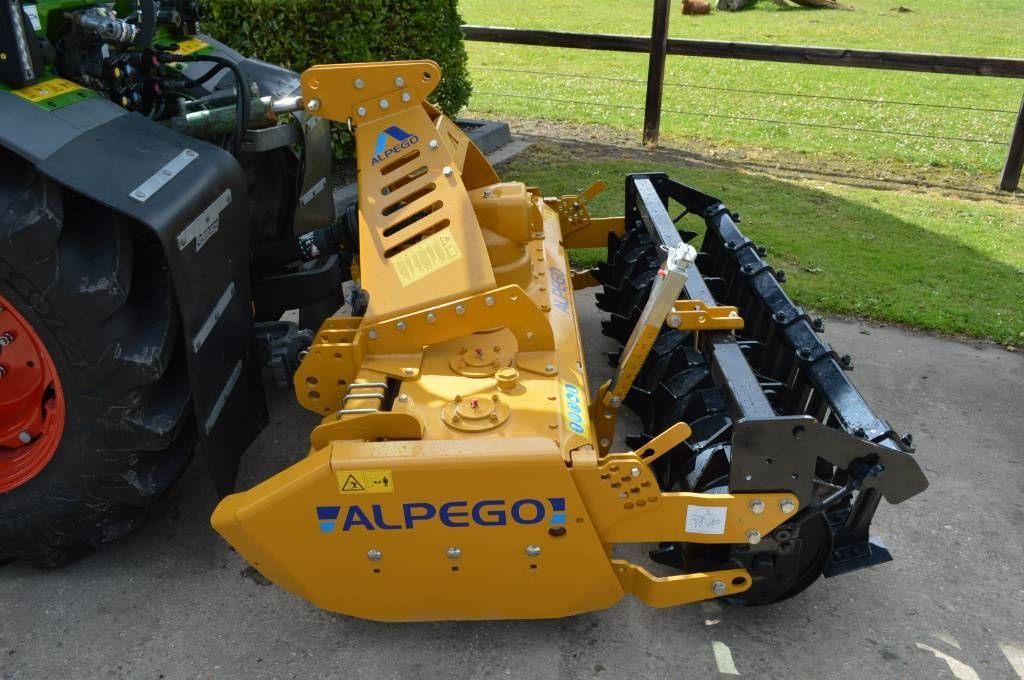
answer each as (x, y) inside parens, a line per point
(941, 264)
(989, 28)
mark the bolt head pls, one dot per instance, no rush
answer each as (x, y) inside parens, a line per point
(550, 368)
(460, 309)
(757, 506)
(403, 398)
(400, 325)
(448, 172)
(406, 97)
(373, 334)
(787, 506)
(718, 587)
(361, 111)
(634, 472)
(384, 104)
(674, 321)
(489, 300)
(753, 537)
(533, 550)
(24, 437)
(616, 402)
(358, 83)
(399, 81)
(409, 371)
(313, 105)
(431, 317)
(605, 442)
(374, 555)
(433, 145)
(454, 553)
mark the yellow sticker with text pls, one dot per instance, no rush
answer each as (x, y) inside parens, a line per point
(191, 45)
(365, 481)
(47, 89)
(426, 257)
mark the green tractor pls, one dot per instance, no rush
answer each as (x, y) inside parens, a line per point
(156, 189)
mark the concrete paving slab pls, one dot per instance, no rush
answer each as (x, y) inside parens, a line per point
(174, 601)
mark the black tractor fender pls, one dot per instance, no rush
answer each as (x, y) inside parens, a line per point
(192, 196)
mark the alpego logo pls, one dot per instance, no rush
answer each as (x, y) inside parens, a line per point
(454, 514)
(384, 149)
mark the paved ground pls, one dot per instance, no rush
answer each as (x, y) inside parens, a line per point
(174, 601)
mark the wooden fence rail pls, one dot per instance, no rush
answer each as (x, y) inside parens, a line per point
(658, 45)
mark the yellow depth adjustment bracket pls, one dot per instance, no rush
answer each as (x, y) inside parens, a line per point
(685, 315)
(626, 505)
(579, 229)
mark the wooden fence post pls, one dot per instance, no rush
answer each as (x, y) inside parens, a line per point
(1015, 157)
(656, 71)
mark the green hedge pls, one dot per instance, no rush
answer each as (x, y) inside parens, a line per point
(301, 33)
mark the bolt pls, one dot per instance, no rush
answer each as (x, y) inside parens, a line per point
(139, 194)
(431, 317)
(757, 506)
(494, 417)
(384, 103)
(753, 537)
(374, 555)
(361, 111)
(454, 553)
(313, 105)
(448, 172)
(302, 354)
(634, 472)
(400, 326)
(406, 97)
(489, 300)
(674, 321)
(433, 145)
(718, 587)
(3, 370)
(6, 338)
(787, 506)
(399, 81)
(533, 550)
(616, 402)
(359, 83)
(409, 371)
(373, 334)
(460, 309)
(604, 442)
(550, 368)
(403, 398)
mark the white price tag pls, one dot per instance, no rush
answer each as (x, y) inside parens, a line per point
(702, 519)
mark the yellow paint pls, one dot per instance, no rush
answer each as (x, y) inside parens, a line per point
(46, 90)
(365, 481)
(426, 257)
(190, 46)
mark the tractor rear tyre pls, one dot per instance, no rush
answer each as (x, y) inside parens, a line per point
(95, 408)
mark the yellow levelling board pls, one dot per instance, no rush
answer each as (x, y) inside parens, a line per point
(426, 257)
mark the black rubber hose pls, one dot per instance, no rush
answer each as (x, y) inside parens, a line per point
(147, 26)
(241, 94)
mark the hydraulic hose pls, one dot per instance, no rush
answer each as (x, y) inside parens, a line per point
(241, 94)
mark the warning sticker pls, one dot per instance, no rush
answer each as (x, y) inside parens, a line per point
(46, 89)
(426, 257)
(365, 481)
(701, 519)
(191, 45)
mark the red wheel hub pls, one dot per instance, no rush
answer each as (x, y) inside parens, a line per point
(31, 401)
